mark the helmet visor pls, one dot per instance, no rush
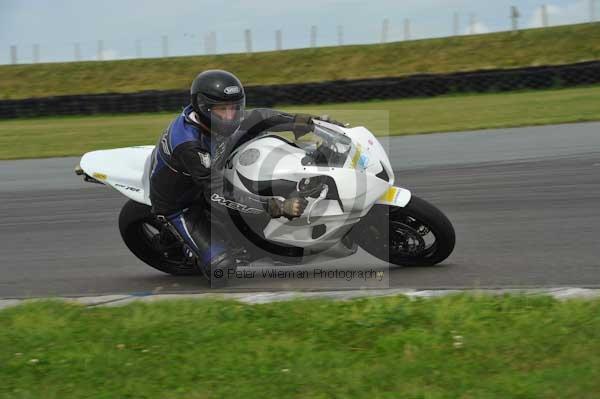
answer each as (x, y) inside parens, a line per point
(225, 117)
(226, 112)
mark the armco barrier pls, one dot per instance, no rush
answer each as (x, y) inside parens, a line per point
(425, 85)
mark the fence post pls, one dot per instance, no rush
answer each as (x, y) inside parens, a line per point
(13, 55)
(340, 35)
(313, 36)
(213, 42)
(385, 29)
(210, 43)
(138, 48)
(544, 16)
(472, 23)
(77, 51)
(406, 29)
(248, 40)
(278, 40)
(514, 16)
(456, 24)
(100, 50)
(165, 45)
(36, 53)
(206, 44)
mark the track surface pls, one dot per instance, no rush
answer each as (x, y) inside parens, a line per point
(525, 204)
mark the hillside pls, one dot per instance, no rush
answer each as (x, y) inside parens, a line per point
(558, 45)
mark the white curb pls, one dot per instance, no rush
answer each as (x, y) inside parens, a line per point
(561, 293)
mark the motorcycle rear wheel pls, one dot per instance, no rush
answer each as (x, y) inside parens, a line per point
(416, 235)
(140, 231)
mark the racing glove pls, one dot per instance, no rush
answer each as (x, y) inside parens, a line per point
(290, 208)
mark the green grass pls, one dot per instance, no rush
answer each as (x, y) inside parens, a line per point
(62, 136)
(453, 347)
(558, 45)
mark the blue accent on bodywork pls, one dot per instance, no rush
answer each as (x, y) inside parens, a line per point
(363, 161)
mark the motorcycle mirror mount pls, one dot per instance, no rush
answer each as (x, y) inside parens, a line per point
(311, 187)
(322, 196)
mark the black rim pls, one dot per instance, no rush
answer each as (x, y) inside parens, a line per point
(167, 247)
(411, 238)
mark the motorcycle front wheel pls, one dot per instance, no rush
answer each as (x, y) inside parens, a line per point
(416, 235)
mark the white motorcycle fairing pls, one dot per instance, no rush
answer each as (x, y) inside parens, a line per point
(125, 169)
(364, 179)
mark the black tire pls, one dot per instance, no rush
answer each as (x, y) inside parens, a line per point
(138, 225)
(385, 226)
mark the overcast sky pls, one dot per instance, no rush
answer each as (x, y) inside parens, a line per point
(56, 25)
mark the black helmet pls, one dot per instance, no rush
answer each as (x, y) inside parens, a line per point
(218, 88)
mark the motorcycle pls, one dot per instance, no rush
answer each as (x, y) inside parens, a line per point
(344, 174)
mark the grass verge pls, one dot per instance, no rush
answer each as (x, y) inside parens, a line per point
(453, 347)
(568, 44)
(63, 136)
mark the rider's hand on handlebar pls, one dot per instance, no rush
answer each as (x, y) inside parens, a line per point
(290, 208)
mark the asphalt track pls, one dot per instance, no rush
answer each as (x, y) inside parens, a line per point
(525, 204)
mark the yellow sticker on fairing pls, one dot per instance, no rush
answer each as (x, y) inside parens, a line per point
(391, 195)
(356, 157)
(99, 176)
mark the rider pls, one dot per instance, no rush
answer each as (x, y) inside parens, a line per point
(186, 184)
